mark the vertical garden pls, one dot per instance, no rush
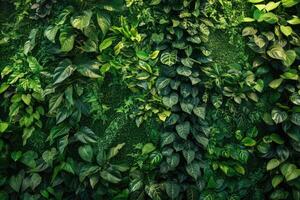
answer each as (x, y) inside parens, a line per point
(149, 99)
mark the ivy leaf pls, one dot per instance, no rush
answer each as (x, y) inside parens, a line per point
(66, 41)
(109, 177)
(15, 182)
(86, 152)
(200, 112)
(51, 32)
(135, 185)
(193, 170)
(172, 189)
(272, 164)
(276, 180)
(35, 180)
(167, 138)
(295, 118)
(162, 82)
(184, 71)
(82, 21)
(89, 69)
(171, 100)
(189, 155)
(278, 116)
(106, 43)
(169, 58)
(104, 22)
(3, 126)
(173, 160)
(275, 83)
(277, 53)
(58, 131)
(183, 129)
(249, 142)
(115, 150)
(148, 148)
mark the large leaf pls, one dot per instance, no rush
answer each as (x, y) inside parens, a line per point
(115, 150)
(193, 170)
(172, 189)
(86, 152)
(171, 100)
(279, 116)
(66, 41)
(104, 22)
(89, 69)
(169, 58)
(183, 129)
(82, 21)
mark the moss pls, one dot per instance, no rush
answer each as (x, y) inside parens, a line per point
(225, 53)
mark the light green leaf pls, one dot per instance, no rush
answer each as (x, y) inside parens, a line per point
(104, 22)
(276, 180)
(275, 83)
(115, 150)
(272, 164)
(82, 21)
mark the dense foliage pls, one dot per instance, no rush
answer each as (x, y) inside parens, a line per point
(150, 99)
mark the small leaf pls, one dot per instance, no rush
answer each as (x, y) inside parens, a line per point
(3, 126)
(286, 30)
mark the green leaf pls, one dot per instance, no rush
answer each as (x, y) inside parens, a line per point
(58, 131)
(249, 31)
(27, 132)
(3, 126)
(135, 185)
(295, 99)
(193, 170)
(290, 58)
(169, 58)
(114, 151)
(269, 17)
(15, 182)
(255, 1)
(272, 164)
(167, 138)
(34, 64)
(286, 30)
(200, 112)
(278, 116)
(148, 148)
(86, 152)
(3, 87)
(109, 177)
(294, 21)
(189, 155)
(64, 70)
(50, 33)
(173, 160)
(26, 99)
(272, 5)
(290, 75)
(83, 20)
(184, 71)
(277, 53)
(86, 135)
(153, 191)
(275, 83)
(106, 43)
(104, 22)
(16, 155)
(66, 41)
(276, 180)
(171, 100)
(172, 189)
(249, 142)
(183, 129)
(295, 118)
(89, 69)
(289, 3)
(35, 180)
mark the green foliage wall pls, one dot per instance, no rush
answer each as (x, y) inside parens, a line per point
(150, 99)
